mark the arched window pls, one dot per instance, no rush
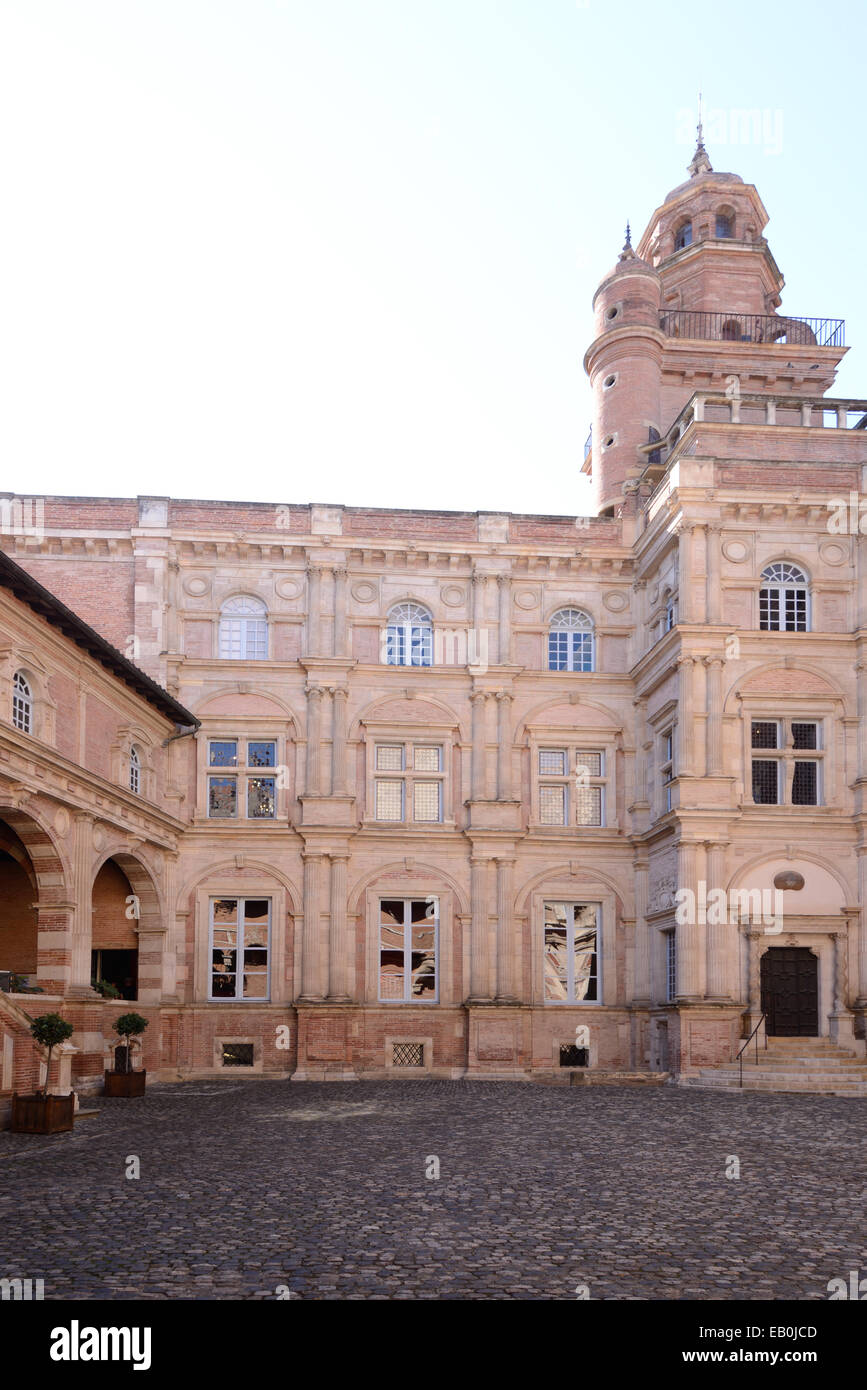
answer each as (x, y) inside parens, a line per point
(570, 641)
(784, 599)
(134, 770)
(244, 629)
(409, 636)
(22, 703)
(725, 226)
(683, 236)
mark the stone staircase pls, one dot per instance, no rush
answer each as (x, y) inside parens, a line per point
(814, 1066)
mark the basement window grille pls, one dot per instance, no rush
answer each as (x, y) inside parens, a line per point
(572, 1056)
(237, 1054)
(407, 1054)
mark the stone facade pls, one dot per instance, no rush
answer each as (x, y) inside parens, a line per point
(526, 815)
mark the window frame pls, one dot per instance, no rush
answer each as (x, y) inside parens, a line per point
(135, 770)
(240, 948)
(22, 703)
(407, 996)
(403, 632)
(570, 904)
(440, 736)
(572, 752)
(587, 634)
(247, 622)
(780, 589)
(242, 774)
(786, 757)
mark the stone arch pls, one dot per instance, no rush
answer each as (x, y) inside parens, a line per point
(420, 868)
(564, 871)
(50, 867)
(186, 893)
(380, 702)
(141, 880)
(774, 858)
(537, 713)
(823, 687)
(231, 689)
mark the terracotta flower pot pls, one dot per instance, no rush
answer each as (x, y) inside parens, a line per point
(38, 1114)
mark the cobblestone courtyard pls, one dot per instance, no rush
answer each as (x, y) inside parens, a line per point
(247, 1186)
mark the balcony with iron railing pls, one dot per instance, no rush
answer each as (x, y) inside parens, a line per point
(753, 328)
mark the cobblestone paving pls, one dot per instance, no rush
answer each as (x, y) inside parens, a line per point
(246, 1186)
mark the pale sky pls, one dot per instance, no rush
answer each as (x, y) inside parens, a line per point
(344, 250)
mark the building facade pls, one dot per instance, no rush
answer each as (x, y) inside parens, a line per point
(486, 795)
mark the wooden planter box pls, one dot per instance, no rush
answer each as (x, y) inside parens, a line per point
(125, 1083)
(42, 1114)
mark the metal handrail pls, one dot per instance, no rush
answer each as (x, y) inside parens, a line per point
(753, 1034)
(783, 329)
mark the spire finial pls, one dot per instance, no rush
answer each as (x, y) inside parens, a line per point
(627, 254)
(699, 164)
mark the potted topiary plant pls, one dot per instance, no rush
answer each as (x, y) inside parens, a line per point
(42, 1113)
(123, 1080)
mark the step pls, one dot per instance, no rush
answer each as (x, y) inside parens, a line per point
(807, 1064)
(828, 1088)
(822, 1078)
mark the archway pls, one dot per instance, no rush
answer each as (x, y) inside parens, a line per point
(19, 930)
(114, 938)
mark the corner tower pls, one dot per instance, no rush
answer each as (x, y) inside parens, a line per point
(695, 306)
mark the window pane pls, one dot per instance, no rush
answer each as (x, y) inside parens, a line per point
(552, 805)
(552, 761)
(223, 986)
(389, 801)
(395, 648)
(261, 798)
(389, 757)
(582, 651)
(426, 801)
(255, 985)
(225, 910)
(423, 958)
(223, 753)
(764, 734)
(222, 797)
(556, 974)
(558, 651)
(764, 782)
(392, 935)
(256, 959)
(805, 735)
(426, 759)
(589, 805)
(420, 646)
(584, 952)
(805, 784)
(592, 761)
(223, 960)
(262, 754)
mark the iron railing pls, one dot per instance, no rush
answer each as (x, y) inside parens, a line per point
(753, 1034)
(753, 328)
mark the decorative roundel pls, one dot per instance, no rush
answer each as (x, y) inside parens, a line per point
(527, 598)
(197, 585)
(289, 588)
(833, 553)
(736, 551)
(61, 821)
(364, 591)
(453, 595)
(789, 880)
(98, 837)
(615, 601)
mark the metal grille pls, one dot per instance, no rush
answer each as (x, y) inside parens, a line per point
(804, 735)
(389, 757)
(426, 801)
(765, 782)
(592, 762)
(223, 753)
(764, 734)
(389, 801)
(237, 1054)
(261, 754)
(426, 759)
(752, 328)
(407, 1054)
(552, 805)
(552, 762)
(572, 1056)
(588, 802)
(805, 784)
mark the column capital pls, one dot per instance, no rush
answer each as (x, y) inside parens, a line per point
(503, 580)
(313, 690)
(713, 660)
(504, 695)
